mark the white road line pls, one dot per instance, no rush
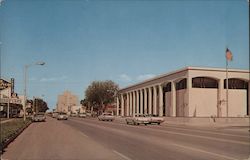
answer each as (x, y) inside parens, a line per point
(84, 135)
(210, 138)
(211, 132)
(203, 151)
(121, 155)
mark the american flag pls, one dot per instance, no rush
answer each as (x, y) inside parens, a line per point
(229, 55)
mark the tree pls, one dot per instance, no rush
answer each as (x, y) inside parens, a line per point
(84, 102)
(40, 105)
(101, 93)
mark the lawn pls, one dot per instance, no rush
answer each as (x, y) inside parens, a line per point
(11, 129)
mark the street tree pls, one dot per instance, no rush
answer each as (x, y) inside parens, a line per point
(101, 93)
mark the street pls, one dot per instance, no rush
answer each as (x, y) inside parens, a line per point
(88, 138)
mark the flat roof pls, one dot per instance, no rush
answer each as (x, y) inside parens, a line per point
(185, 69)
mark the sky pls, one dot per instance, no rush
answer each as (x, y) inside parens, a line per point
(121, 40)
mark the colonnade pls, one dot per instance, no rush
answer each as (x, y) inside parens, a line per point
(147, 100)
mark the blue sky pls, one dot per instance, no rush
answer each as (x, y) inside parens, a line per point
(125, 41)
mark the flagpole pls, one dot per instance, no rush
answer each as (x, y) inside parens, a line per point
(227, 85)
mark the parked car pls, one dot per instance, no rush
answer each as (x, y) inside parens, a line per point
(54, 115)
(106, 117)
(82, 115)
(62, 116)
(73, 115)
(138, 119)
(155, 119)
(39, 117)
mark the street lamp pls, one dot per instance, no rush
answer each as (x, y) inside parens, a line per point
(25, 84)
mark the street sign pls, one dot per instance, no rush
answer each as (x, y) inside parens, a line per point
(11, 100)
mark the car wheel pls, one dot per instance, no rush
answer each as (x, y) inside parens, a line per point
(159, 123)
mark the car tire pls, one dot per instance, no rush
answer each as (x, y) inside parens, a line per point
(158, 123)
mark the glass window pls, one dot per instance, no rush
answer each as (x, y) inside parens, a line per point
(234, 83)
(204, 82)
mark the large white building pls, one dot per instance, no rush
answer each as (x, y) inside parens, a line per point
(66, 102)
(189, 92)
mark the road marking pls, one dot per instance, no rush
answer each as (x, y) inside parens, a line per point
(123, 156)
(204, 131)
(84, 135)
(203, 151)
(205, 137)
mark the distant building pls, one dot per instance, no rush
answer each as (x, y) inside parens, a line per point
(66, 101)
(189, 92)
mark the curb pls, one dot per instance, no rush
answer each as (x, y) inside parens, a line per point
(12, 138)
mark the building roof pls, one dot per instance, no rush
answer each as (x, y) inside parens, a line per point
(185, 69)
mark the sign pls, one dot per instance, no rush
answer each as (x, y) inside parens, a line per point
(11, 100)
(4, 84)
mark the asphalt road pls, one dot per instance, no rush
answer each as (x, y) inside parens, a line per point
(86, 139)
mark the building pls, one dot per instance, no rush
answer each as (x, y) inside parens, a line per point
(189, 92)
(66, 101)
(9, 100)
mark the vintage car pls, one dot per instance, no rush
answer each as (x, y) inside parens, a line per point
(73, 115)
(138, 119)
(62, 116)
(39, 117)
(54, 114)
(155, 119)
(82, 115)
(106, 117)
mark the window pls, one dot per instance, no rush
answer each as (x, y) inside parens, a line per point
(234, 83)
(204, 82)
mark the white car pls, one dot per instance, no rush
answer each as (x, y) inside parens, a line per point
(155, 119)
(62, 116)
(82, 115)
(106, 117)
(39, 117)
(54, 115)
(138, 119)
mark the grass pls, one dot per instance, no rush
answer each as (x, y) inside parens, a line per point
(11, 128)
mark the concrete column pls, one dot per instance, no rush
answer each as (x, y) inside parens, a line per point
(127, 105)
(133, 103)
(145, 101)
(219, 97)
(137, 102)
(117, 106)
(154, 99)
(122, 105)
(141, 101)
(187, 97)
(248, 98)
(130, 103)
(149, 100)
(173, 100)
(160, 100)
